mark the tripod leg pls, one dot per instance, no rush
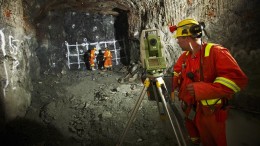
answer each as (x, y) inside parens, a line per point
(159, 83)
(155, 92)
(133, 113)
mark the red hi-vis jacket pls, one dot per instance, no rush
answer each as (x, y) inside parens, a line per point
(222, 75)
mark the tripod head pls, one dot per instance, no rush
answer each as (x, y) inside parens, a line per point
(152, 53)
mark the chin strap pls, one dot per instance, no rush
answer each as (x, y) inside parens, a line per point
(201, 63)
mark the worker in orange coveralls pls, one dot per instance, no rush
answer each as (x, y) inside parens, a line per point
(92, 58)
(108, 59)
(206, 76)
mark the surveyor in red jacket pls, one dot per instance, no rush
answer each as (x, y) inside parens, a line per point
(206, 76)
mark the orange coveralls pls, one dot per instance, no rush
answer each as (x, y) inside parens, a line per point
(222, 78)
(92, 58)
(108, 59)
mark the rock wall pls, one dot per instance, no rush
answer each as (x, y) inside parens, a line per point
(17, 40)
(230, 23)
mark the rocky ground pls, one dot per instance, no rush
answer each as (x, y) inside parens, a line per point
(88, 108)
(92, 108)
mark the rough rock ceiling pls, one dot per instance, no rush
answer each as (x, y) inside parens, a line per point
(110, 7)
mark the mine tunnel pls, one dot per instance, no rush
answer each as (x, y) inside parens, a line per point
(49, 96)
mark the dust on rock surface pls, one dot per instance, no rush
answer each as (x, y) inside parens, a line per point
(93, 108)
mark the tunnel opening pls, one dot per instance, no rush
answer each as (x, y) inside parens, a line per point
(64, 37)
(121, 32)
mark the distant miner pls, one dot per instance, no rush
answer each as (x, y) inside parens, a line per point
(108, 59)
(92, 58)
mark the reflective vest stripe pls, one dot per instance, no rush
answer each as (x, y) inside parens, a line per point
(194, 139)
(211, 101)
(207, 49)
(228, 83)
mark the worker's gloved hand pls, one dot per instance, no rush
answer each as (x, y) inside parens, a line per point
(172, 96)
(175, 86)
(191, 91)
